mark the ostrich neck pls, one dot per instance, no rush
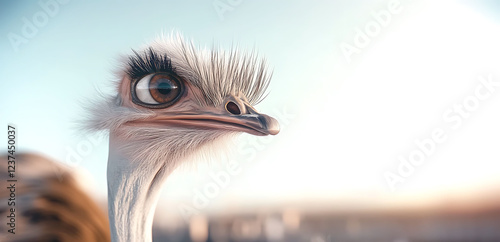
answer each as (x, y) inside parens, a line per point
(133, 191)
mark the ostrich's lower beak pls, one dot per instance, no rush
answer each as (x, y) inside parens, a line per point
(236, 115)
(256, 124)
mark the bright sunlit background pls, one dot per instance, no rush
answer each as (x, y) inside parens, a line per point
(352, 95)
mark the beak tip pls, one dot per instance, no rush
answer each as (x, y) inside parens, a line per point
(274, 131)
(273, 127)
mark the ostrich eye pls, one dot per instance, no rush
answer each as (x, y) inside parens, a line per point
(157, 90)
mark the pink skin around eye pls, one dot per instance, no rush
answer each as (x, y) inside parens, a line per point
(185, 103)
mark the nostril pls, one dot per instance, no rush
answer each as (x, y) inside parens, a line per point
(233, 108)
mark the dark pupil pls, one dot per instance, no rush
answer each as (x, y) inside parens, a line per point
(164, 87)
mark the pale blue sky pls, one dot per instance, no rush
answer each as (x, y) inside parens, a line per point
(351, 120)
(75, 53)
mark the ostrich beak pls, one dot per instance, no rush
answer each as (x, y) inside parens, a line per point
(236, 114)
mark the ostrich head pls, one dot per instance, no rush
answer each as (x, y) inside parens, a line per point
(173, 99)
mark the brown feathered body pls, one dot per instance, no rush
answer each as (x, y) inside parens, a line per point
(50, 204)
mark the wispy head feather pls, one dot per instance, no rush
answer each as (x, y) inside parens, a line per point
(217, 73)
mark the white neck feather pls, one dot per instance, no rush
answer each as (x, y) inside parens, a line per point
(140, 159)
(133, 191)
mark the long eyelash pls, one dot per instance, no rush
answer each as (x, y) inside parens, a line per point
(150, 62)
